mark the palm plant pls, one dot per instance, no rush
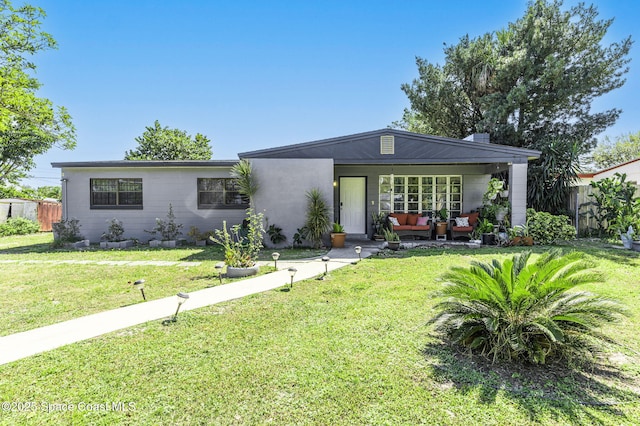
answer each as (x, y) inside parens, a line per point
(318, 222)
(246, 179)
(521, 310)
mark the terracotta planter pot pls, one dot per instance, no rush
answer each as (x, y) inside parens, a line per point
(337, 239)
(441, 228)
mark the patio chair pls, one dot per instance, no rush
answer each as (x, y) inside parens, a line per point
(461, 227)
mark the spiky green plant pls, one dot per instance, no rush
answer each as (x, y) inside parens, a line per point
(521, 310)
(242, 172)
(318, 221)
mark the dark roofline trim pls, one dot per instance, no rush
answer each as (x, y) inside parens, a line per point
(150, 163)
(426, 162)
(503, 149)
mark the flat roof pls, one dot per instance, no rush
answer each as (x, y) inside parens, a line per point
(147, 163)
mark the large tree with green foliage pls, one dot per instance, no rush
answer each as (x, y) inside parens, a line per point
(529, 85)
(29, 125)
(610, 153)
(163, 143)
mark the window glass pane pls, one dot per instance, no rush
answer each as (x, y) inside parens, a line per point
(116, 192)
(420, 194)
(220, 192)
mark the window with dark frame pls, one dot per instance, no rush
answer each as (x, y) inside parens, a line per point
(121, 193)
(220, 193)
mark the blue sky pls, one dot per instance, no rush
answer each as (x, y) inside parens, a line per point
(258, 74)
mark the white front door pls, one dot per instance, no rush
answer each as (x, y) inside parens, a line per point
(353, 205)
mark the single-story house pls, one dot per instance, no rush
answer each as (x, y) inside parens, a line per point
(384, 170)
(630, 168)
(581, 201)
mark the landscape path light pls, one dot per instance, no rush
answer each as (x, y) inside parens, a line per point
(292, 273)
(275, 256)
(326, 260)
(358, 250)
(182, 297)
(219, 267)
(140, 286)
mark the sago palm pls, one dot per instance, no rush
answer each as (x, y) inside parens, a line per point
(525, 310)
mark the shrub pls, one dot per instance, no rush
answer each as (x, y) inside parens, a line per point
(168, 229)
(114, 231)
(66, 231)
(18, 226)
(275, 234)
(521, 310)
(317, 223)
(242, 243)
(546, 228)
(617, 206)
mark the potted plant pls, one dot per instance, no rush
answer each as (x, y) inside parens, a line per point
(501, 210)
(241, 244)
(486, 230)
(66, 233)
(441, 221)
(199, 238)
(521, 235)
(393, 239)
(494, 188)
(377, 220)
(337, 236)
(475, 236)
(495, 202)
(113, 238)
(168, 229)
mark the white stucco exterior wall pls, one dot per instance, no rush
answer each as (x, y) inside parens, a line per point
(160, 187)
(518, 193)
(283, 187)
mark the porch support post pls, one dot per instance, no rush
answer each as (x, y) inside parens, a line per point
(518, 193)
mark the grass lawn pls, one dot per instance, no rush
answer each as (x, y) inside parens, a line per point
(48, 290)
(353, 349)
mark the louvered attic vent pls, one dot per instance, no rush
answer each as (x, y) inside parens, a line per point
(387, 143)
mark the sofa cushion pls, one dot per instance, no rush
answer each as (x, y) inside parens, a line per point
(463, 228)
(462, 221)
(412, 219)
(402, 217)
(402, 228)
(420, 228)
(394, 221)
(473, 218)
(422, 221)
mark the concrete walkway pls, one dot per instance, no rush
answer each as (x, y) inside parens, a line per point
(31, 342)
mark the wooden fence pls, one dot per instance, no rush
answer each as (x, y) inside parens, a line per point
(582, 202)
(44, 212)
(48, 213)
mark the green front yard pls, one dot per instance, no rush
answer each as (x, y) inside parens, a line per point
(353, 349)
(47, 290)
